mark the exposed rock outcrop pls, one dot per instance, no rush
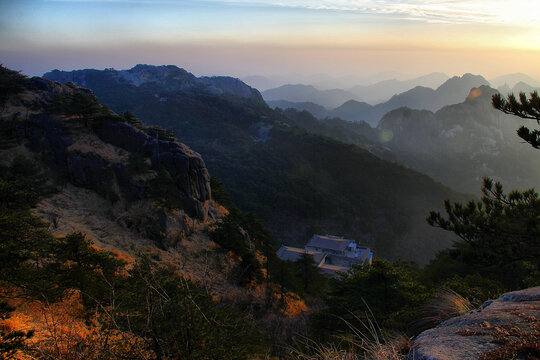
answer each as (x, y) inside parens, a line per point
(506, 328)
(134, 172)
(185, 166)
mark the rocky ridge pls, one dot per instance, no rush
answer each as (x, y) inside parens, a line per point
(129, 170)
(167, 77)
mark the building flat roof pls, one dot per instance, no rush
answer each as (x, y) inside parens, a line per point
(335, 243)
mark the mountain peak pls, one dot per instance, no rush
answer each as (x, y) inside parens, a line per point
(465, 78)
(482, 91)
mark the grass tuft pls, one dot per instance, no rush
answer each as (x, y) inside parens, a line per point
(445, 304)
(368, 342)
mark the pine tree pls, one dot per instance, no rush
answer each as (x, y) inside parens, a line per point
(526, 108)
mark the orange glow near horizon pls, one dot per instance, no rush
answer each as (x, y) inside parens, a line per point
(247, 37)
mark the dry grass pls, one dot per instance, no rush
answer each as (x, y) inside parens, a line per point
(292, 305)
(445, 304)
(368, 342)
(392, 348)
(61, 332)
(324, 352)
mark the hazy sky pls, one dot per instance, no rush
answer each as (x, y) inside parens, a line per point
(246, 37)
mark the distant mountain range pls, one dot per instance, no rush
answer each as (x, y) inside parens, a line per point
(320, 81)
(512, 79)
(519, 87)
(452, 91)
(298, 183)
(168, 78)
(307, 93)
(372, 94)
(384, 90)
(456, 145)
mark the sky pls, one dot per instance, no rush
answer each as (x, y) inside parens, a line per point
(272, 37)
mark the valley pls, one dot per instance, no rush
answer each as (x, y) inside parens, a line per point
(269, 180)
(279, 171)
(152, 181)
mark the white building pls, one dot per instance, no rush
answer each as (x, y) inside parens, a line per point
(332, 254)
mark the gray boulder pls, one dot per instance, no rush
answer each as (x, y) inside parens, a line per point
(506, 328)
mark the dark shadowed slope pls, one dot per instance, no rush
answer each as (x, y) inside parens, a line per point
(297, 182)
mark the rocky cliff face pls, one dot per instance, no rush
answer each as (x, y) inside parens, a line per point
(136, 176)
(185, 167)
(506, 328)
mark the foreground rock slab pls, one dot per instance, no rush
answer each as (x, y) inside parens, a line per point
(506, 328)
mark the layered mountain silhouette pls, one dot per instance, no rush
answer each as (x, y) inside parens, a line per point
(372, 89)
(320, 81)
(512, 79)
(384, 90)
(307, 93)
(518, 88)
(298, 183)
(456, 145)
(452, 91)
(461, 143)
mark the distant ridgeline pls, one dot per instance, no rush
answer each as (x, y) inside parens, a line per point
(332, 254)
(298, 183)
(350, 108)
(452, 134)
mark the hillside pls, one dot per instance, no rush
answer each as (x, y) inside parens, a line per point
(298, 183)
(127, 186)
(104, 220)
